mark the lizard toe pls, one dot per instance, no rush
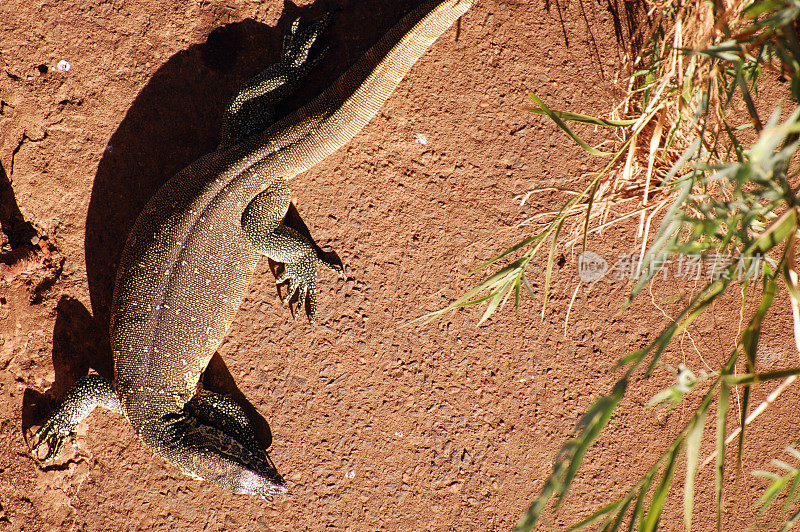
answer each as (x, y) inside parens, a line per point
(299, 41)
(333, 266)
(301, 276)
(290, 291)
(308, 299)
(312, 304)
(51, 437)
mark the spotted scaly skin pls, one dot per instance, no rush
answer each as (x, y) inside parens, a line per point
(191, 253)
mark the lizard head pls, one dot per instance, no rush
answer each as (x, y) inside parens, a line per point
(207, 452)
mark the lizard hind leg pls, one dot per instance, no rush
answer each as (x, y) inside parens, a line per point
(212, 439)
(252, 109)
(262, 222)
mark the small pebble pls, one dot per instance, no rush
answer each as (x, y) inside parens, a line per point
(63, 65)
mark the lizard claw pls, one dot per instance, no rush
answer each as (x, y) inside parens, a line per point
(308, 294)
(52, 435)
(301, 277)
(291, 289)
(298, 42)
(335, 267)
(89, 392)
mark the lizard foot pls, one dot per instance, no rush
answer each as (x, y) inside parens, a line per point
(301, 276)
(297, 43)
(52, 435)
(302, 279)
(89, 392)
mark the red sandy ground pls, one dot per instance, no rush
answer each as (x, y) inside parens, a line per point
(443, 426)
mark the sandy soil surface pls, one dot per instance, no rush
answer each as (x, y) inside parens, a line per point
(444, 426)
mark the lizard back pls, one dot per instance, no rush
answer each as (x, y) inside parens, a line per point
(187, 264)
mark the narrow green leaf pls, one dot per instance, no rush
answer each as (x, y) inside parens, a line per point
(566, 115)
(615, 524)
(754, 378)
(751, 107)
(638, 515)
(527, 285)
(662, 489)
(745, 406)
(723, 404)
(510, 250)
(769, 475)
(772, 491)
(571, 454)
(491, 307)
(550, 262)
(693, 440)
(791, 522)
(589, 204)
(791, 497)
(763, 6)
(749, 345)
(560, 123)
(596, 516)
(591, 425)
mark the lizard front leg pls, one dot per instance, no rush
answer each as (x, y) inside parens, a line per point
(262, 223)
(90, 392)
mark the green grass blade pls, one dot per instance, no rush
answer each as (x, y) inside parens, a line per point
(749, 345)
(693, 428)
(571, 454)
(566, 115)
(693, 440)
(755, 378)
(662, 489)
(589, 203)
(772, 491)
(791, 497)
(510, 250)
(528, 286)
(554, 116)
(495, 302)
(751, 107)
(596, 516)
(791, 522)
(638, 515)
(723, 404)
(550, 262)
(617, 522)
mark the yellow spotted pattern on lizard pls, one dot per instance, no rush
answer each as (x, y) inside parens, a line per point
(191, 253)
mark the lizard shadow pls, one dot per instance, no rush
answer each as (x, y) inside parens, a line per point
(17, 232)
(174, 120)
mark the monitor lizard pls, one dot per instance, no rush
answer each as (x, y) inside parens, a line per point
(192, 251)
